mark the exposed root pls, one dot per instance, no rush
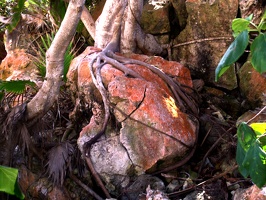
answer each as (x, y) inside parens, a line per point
(175, 87)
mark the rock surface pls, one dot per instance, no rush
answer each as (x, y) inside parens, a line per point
(210, 20)
(18, 65)
(151, 130)
(251, 193)
(252, 84)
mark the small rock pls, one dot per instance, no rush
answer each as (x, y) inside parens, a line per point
(251, 193)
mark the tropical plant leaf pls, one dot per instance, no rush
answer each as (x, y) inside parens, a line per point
(254, 162)
(250, 156)
(232, 54)
(69, 56)
(245, 135)
(259, 128)
(262, 24)
(15, 86)
(8, 181)
(44, 46)
(258, 53)
(239, 25)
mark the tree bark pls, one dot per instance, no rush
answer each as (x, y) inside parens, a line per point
(127, 15)
(49, 91)
(88, 22)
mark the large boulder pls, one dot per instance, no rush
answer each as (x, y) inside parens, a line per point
(205, 38)
(147, 132)
(19, 65)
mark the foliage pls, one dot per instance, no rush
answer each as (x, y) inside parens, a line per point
(251, 146)
(44, 45)
(242, 29)
(8, 181)
(14, 86)
(12, 10)
(251, 155)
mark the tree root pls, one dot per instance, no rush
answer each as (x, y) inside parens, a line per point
(186, 104)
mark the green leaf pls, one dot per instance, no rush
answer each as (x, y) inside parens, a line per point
(245, 135)
(254, 162)
(232, 54)
(258, 53)
(239, 25)
(17, 86)
(249, 18)
(259, 128)
(240, 156)
(250, 157)
(8, 181)
(262, 24)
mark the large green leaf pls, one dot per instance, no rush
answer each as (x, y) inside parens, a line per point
(232, 54)
(254, 162)
(250, 157)
(260, 130)
(8, 181)
(239, 25)
(258, 53)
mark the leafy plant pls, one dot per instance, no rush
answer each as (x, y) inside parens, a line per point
(251, 155)
(251, 145)
(242, 29)
(14, 86)
(44, 45)
(8, 181)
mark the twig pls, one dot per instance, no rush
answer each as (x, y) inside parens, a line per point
(203, 141)
(256, 114)
(85, 187)
(96, 176)
(202, 40)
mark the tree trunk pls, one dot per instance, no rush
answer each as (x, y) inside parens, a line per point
(49, 92)
(125, 14)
